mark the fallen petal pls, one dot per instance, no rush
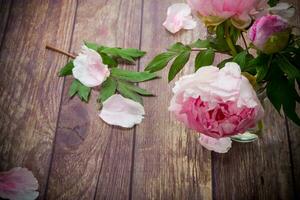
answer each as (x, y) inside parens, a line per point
(179, 17)
(18, 184)
(221, 145)
(121, 111)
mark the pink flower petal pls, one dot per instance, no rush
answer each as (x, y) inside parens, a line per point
(179, 17)
(121, 111)
(221, 145)
(18, 184)
(89, 69)
(283, 9)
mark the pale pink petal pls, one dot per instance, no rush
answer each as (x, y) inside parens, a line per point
(179, 17)
(18, 184)
(89, 69)
(189, 23)
(121, 111)
(283, 9)
(221, 145)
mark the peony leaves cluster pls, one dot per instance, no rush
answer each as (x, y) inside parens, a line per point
(120, 81)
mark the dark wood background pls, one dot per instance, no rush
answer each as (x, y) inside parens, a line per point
(75, 155)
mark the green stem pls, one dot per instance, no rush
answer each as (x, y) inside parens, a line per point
(229, 41)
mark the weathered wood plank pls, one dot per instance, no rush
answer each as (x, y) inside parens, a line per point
(87, 150)
(169, 163)
(5, 6)
(30, 90)
(294, 130)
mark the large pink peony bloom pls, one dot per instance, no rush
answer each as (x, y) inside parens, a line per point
(269, 33)
(216, 102)
(18, 184)
(214, 12)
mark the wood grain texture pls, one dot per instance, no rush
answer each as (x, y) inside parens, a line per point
(30, 89)
(168, 161)
(93, 159)
(5, 6)
(294, 130)
(258, 170)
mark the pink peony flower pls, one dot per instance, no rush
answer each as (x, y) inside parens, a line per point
(214, 12)
(121, 111)
(269, 33)
(216, 102)
(89, 69)
(179, 17)
(221, 145)
(18, 184)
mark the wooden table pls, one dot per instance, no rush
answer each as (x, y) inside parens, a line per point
(75, 155)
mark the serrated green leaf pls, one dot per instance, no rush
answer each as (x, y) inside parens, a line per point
(124, 91)
(67, 69)
(108, 88)
(204, 58)
(160, 61)
(132, 76)
(135, 88)
(109, 61)
(200, 44)
(178, 64)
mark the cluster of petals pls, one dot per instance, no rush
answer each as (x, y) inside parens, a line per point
(240, 12)
(179, 17)
(215, 102)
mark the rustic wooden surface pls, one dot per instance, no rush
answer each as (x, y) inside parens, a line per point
(75, 155)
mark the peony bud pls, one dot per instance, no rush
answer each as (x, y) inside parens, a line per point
(270, 34)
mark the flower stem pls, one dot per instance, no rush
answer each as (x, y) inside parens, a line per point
(245, 43)
(60, 51)
(229, 41)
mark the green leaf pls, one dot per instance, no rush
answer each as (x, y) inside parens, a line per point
(178, 64)
(73, 88)
(240, 59)
(84, 92)
(81, 90)
(124, 91)
(288, 68)
(282, 94)
(273, 3)
(179, 47)
(200, 44)
(108, 88)
(67, 69)
(109, 61)
(135, 88)
(132, 76)
(93, 46)
(204, 58)
(129, 54)
(222, 64)
(160, 61)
